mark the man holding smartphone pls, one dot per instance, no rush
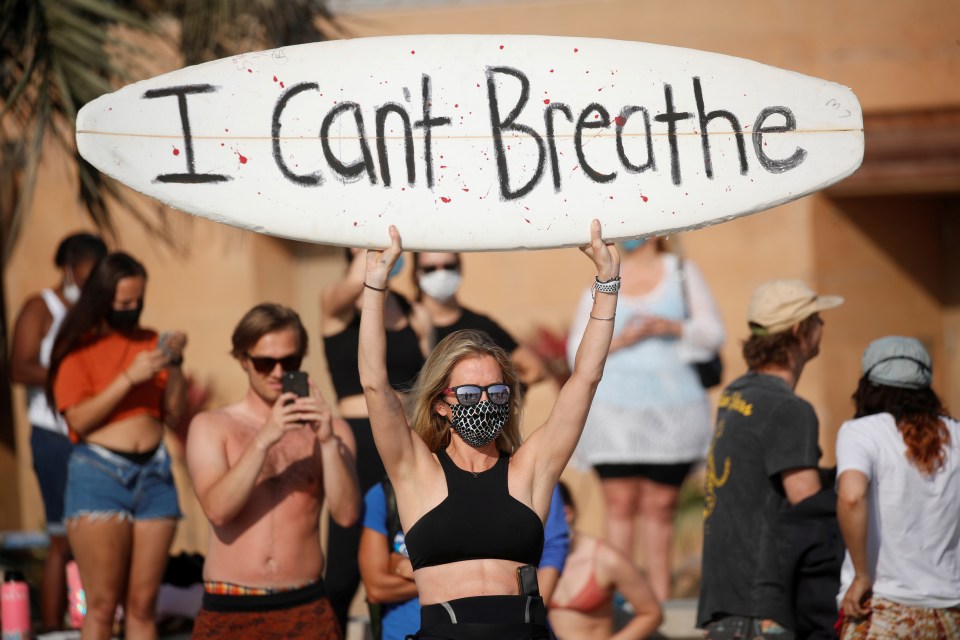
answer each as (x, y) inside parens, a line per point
(261, 469)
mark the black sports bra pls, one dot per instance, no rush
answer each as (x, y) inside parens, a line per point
(478, 519)
(404, 357)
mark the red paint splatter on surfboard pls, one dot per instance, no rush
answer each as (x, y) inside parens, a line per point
(176, 151)
(444, 200)
(620, 121)
(243, 158)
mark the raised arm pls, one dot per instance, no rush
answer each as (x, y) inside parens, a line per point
(549, 448)
(392, 435)
(338, 299)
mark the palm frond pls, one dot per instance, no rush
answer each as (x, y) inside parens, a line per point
(57, 55)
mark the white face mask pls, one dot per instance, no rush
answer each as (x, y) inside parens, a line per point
(71, 292)
(440, 284)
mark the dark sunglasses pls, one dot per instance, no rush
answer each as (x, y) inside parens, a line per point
(430, 268)
(470, 394)
(264, 364)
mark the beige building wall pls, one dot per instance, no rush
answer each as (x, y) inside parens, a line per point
(895, 55)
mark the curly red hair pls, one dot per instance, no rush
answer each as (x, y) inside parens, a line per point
(919, 415)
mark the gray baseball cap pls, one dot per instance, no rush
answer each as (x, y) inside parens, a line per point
(896, 361)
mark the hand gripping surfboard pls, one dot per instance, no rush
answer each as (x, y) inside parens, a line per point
(473, 143)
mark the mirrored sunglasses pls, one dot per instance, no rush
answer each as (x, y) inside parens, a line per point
(264, 364)
(470, 394)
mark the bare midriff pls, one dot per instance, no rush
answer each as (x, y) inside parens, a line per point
(136, 434)
(274, 542)
(466, 579)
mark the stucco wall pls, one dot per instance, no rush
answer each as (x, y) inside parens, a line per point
(895, 55)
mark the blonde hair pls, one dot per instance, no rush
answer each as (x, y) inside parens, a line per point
(434, 377)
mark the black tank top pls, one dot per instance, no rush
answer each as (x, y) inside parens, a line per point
(404, 358)
(478, 519)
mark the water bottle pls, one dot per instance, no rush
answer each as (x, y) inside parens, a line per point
(15, 606)
(76, 598)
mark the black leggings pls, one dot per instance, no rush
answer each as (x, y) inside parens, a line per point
(342, 576)
(484, 618)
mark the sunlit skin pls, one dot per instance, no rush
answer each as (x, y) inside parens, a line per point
(535, 467)
(613, 571)
(118, 558)
(262, 468)
(470, 576)
(136, 433)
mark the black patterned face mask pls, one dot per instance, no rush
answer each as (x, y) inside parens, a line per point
(479, 424)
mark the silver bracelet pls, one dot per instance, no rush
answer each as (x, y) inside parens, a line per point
(608, 286)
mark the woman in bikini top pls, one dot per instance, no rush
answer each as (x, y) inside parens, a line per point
(582, 605)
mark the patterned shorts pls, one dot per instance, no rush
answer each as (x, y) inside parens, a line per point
(746, 628)
(890, 620)
(298, 613)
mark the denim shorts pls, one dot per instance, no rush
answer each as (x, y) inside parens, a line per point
(103, 484)
(51, 452)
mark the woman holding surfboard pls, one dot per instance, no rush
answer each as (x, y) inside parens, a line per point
(472, 499)
(117, 384)
(409, 339)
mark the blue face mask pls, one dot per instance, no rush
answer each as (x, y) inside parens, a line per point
(633, 245)
(397, 268)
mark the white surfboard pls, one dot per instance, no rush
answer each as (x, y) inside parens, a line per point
(474, 143)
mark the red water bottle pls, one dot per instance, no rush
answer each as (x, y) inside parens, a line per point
(15, 606)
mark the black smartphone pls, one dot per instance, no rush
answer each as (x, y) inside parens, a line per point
(527, 580)
(296, 381)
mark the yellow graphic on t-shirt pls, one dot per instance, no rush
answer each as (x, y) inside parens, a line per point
(714, 482)
(735, 402)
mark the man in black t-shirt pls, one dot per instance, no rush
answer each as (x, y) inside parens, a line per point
(763, 459)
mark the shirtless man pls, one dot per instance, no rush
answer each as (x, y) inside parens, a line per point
(261, 469)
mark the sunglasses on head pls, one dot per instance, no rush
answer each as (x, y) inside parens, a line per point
(470, 394)
(264, 364)
(430, 268)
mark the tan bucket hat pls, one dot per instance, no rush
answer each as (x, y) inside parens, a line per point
(779, 304)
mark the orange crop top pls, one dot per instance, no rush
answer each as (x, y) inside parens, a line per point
(89, 369)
